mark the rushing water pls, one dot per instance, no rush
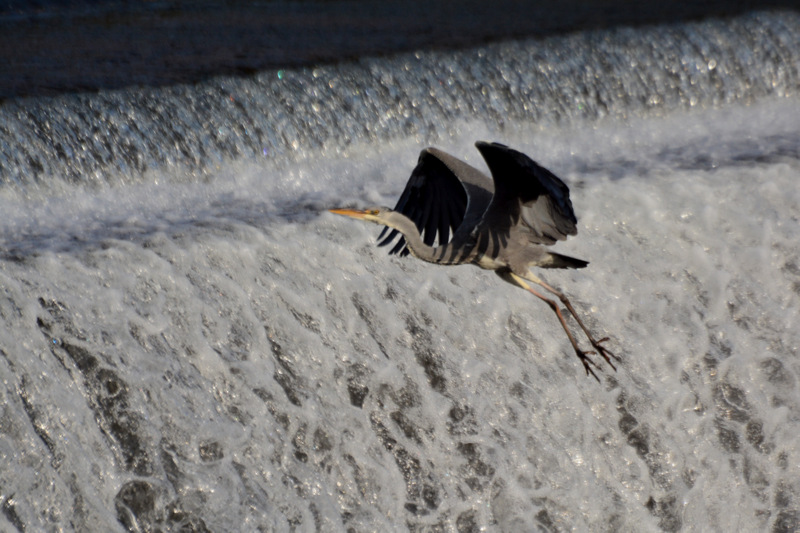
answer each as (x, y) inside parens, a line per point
(283, 114)
(188, 340)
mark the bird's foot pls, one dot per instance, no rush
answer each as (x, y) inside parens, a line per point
(604, 352)
(588, 363)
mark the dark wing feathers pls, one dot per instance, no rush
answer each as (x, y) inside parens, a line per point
(434, 198)
(528, 197)
(443, 192)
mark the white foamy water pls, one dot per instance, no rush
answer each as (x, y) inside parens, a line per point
(227, 356)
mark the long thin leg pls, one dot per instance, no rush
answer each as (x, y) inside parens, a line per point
(596, 344)
(583, 356)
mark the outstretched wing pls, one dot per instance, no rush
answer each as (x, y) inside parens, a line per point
(437, 197)
(528, 198)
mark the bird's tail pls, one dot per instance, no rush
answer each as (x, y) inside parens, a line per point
(564, 261)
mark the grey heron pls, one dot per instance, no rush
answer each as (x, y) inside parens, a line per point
(501, 224)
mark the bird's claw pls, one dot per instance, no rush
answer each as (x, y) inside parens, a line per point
(604, 352)
(588, 363)
(600, 350)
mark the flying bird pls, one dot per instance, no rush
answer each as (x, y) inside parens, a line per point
(501, 224)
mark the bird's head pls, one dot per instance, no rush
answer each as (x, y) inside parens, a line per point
(377, 215)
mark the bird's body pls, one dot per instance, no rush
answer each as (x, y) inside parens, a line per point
(502, 224)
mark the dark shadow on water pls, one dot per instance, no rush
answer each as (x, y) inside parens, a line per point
(224, 217)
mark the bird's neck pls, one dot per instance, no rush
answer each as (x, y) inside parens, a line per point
(419, 249)
(452, 253)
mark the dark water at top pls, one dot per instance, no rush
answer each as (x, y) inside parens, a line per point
(280, 114)
(51, 47)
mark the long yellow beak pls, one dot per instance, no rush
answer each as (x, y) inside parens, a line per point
(354, 213)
